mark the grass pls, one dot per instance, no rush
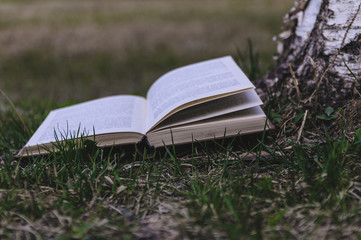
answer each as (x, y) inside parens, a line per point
(270, 187)
(269, 190)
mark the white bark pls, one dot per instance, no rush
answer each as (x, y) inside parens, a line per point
(326, 32)
(307, 19)
(336, 30)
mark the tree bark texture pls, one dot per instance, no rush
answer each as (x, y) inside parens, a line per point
(319, 39)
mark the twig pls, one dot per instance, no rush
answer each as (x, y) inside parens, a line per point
(353, 75)
(336, 55)
(315, 77)
(123, 211)
(295, 81)
(28, 228)
(17, 113)
(302, 126)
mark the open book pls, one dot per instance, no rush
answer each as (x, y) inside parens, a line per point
(201, 101)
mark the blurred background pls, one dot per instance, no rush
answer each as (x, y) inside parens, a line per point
(76, 50)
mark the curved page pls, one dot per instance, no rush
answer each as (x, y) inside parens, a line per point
(218, 107)
(194, 84)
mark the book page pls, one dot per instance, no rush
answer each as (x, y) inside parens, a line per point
(105, 115)
(193, 83)
(221, 106)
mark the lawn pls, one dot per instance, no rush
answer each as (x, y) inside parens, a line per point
(298, 181)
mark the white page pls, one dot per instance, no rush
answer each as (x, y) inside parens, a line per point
(221, 106)
(105, 115)
(191, 83)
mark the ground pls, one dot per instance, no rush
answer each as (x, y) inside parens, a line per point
(298, 181)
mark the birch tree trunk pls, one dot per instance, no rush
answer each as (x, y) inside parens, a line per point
(319, 38)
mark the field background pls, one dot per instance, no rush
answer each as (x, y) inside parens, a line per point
(70, 51)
